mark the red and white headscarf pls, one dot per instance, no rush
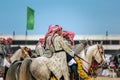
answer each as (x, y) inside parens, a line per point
(69, 34)
(2, 40)
(51, 31)
(9, 39)
(64, 34)
(40, 41)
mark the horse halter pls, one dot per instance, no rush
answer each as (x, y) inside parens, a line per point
(93, 57)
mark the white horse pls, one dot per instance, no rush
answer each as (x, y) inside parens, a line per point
(92, 58)
(39, 66)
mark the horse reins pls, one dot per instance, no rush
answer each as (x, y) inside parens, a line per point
(100, 56)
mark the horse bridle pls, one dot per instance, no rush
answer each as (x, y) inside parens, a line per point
(98, 51)
(94, 67)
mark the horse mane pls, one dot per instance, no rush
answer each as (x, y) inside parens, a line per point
(14, 68)
(91, 48)
(87, 50)
(79, 47)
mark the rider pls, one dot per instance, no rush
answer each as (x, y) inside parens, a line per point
(2, 54)
(68, 38)
(7, 64)
(8, 45)
(39, 47)
(47, 42)
(59, 48)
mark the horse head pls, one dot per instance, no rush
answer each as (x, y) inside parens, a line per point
(92, 57)
(98, 58)
(98, 55)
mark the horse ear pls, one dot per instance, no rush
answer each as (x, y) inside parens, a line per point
(97, 43)
(101, 43)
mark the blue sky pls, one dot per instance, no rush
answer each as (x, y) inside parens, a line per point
(80, 16)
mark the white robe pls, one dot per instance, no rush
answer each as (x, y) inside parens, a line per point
(6, 63)
(59, 59)
(39, 49)
(72, 61)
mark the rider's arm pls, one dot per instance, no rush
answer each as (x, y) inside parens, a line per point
(66, 47)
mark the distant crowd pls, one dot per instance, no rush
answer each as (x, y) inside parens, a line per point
(112, 69)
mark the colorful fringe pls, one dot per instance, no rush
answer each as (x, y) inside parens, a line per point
(53, 78)
(81, 72)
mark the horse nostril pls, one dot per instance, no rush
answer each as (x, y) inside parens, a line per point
(104, 64)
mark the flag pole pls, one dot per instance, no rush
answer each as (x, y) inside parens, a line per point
(13, 35)
(106, 38)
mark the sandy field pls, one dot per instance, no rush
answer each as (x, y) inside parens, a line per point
(106, 78)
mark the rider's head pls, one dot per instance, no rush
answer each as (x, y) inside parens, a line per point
(65, 34)
(54, 29)
(2, 40)
(41, 40)
(68, 35)
(9, 40)
(57, 29)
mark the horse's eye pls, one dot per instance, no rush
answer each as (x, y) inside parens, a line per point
(102, 52)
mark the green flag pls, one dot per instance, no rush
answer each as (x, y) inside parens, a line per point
(30, 18)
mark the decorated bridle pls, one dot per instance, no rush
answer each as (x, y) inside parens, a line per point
(98, 52)
(95, 65)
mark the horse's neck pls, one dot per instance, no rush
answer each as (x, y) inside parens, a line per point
(86, 62)
(87, 56)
